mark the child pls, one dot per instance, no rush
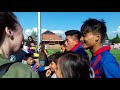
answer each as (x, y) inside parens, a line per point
(103, 62)
(42, 57)
(72, 65)
(35, 65)
(53, 65)
(63, 46)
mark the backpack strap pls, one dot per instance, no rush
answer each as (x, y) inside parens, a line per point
(4, 68)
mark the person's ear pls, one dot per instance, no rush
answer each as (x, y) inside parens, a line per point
(97, 37)
(9, 32)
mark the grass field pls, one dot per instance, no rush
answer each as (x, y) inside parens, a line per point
(116, 54)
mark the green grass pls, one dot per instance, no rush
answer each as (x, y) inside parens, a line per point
(116, 53)
(51, 51)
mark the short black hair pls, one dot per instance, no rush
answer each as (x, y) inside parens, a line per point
(94, 25)
(27, 55)
(76, 33)
(54, 57)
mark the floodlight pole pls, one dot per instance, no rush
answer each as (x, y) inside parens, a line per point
(39, 29)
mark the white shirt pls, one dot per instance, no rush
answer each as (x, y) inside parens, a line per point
(54, 76)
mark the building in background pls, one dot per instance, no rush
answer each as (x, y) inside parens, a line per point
(51, 40)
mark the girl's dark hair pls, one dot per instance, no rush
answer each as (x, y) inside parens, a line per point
(7, 19)
(30, 37)
(42, 49)
(94, 25)
(73, 65)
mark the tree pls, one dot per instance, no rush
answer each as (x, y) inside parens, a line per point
(106, 37)
(116, 39)
(34, 35)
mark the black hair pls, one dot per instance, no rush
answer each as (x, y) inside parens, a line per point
(73, 65)
(27, 55)
(30, 37)
(21, 45)
(75, 33)
(7, 19)
(94, 25)
(54, 57)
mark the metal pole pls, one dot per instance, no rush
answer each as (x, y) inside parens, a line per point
(39, 29)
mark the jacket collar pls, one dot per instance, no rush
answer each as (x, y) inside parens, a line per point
(76, 46)
(102, 49)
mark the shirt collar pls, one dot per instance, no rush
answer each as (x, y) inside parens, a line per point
(102, 49)
(76, 46)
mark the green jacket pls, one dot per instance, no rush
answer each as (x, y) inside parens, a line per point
(17, 70)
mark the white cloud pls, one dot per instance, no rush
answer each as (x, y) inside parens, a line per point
(28, 32)
(114, 32)
(61, 32)
(43, 30)
(117, 31)
(34, 29)
(119, 27)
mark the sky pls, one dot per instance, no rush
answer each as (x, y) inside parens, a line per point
(59, 22)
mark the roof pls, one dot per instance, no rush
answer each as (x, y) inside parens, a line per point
(50, 36)
(49, 32)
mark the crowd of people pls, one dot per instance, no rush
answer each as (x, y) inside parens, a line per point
(72, 61)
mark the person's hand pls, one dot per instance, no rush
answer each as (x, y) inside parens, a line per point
(37, 65)
(48, 72)
(47, 67)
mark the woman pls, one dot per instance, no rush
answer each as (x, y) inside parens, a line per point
(72, 65)
(11, 37)
(43, 59)
(30, 41)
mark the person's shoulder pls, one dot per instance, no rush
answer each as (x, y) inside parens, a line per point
(19, 70)
(19, 65)
(106, 55)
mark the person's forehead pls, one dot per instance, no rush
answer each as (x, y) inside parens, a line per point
(53, 62)
(29, 37)
(30, 58)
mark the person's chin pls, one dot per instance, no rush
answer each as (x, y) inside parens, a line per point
(16, 51)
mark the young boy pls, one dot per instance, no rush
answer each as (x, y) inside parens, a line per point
(63, 46)
(53, 64)
(35, 65)
(103, 62)
(72, 42)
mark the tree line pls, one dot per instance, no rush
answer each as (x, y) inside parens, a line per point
(116, 39)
